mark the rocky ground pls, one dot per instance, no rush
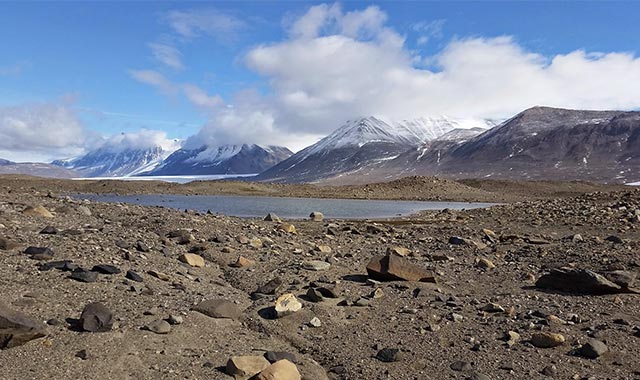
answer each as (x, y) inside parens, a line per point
(491, 303)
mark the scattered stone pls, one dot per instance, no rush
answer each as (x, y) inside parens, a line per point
(581, 281)
(133, 276)
(484, 263)
(315, 322)
(550, 370)
(96, 317)
(270, 287)
(512, 338)
(192, 259)
(244, 367)
(83, 275)
(159, 326)
(219, 308)
(271, 217)
(625, 279)
(242, 262)
(287, 304)
(316, 216)
(274, 356)
(120, 243)
(394, 268)
(593, 349)
(39, 253)
(288, 228)
(84, 210)
(456, 240)
(478, 376)
(323, 249)
(316, 265)
(389, 355)
(142, 246)
(280, 370)
(37, 211)
(614, 239)
(547, 339)
(49, 230)
(17, 329)
(256, 243)
(490, 235)
(106, 269)
(400, 251)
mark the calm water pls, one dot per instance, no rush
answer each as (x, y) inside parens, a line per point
(171, 178)
(291, 208)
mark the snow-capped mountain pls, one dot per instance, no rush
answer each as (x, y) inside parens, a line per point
(226, 159)
(109, 161)
(363, 142)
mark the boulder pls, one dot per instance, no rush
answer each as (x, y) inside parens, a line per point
(37, 211)
(394, 268)
(316, 216)
(219, 308)
(192, 259)
(280, 370)
(287, 304)
(244, 367)
(96, 317)
(17, 329)
(581, 281)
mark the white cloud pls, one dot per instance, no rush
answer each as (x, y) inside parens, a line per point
(200, 98)
(428, 29)
(154, 79)
(40, 131)
(197, 22)
(141, 139)
(167, 55)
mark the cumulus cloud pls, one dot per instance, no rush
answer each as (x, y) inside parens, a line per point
(200, 98)
(198, 22)
(155, 79)
(167, 54)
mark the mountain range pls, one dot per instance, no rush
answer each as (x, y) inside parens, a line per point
(538, 143)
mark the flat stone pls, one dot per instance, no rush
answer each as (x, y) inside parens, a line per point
(159, 275)
(492, 308)
(484, 263)
(316, 265)
(106, 269)
(581, 281)
(287, 304)
(175, 319)
(17, 328)
(49, 230)
(159, 326)
(244, 367)
(219, 308)
(39, 253)
(63, 265)
(593, 349)
(280, 370)
(394, 268)
(323, 249)
(83, 275)
(270, 287)
(192, 259)
(242, 262)
(96, 317)
(624, 278)
(547, 339)
(133, 276)
(461, 365)
(256, 243)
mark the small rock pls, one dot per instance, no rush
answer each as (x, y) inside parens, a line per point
(550, 370)
(493, 308)
(159, 326)
(395, 268)
(315, 322)
(175, 319)
(159, 275)
(82, 354)
(6, 244)
(460, 365)
(133, 276)
(17, 329)
(242, 262)
(83, 275)
(96, 317)
(593, 349)
(288, 228)
(547, 339)
(274, 356)
(581, 281)
(192, 259)
(511, 337)
(256, 243)
(271, 217)
(39, 253)
(389, 355)
(287, 304)
(49, 230)
(400, 251)
(270, 287)
(106, 269)
(484, 263)
(323, 249)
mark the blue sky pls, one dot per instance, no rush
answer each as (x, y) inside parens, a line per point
(221, 72)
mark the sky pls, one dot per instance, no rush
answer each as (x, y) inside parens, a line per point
(75, 76)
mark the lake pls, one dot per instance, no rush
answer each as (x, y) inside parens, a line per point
(290, 208)
(171, 178)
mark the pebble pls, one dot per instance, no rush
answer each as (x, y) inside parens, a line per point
(159, 326)
(547, 339)
(316, 265)
(389, 355)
